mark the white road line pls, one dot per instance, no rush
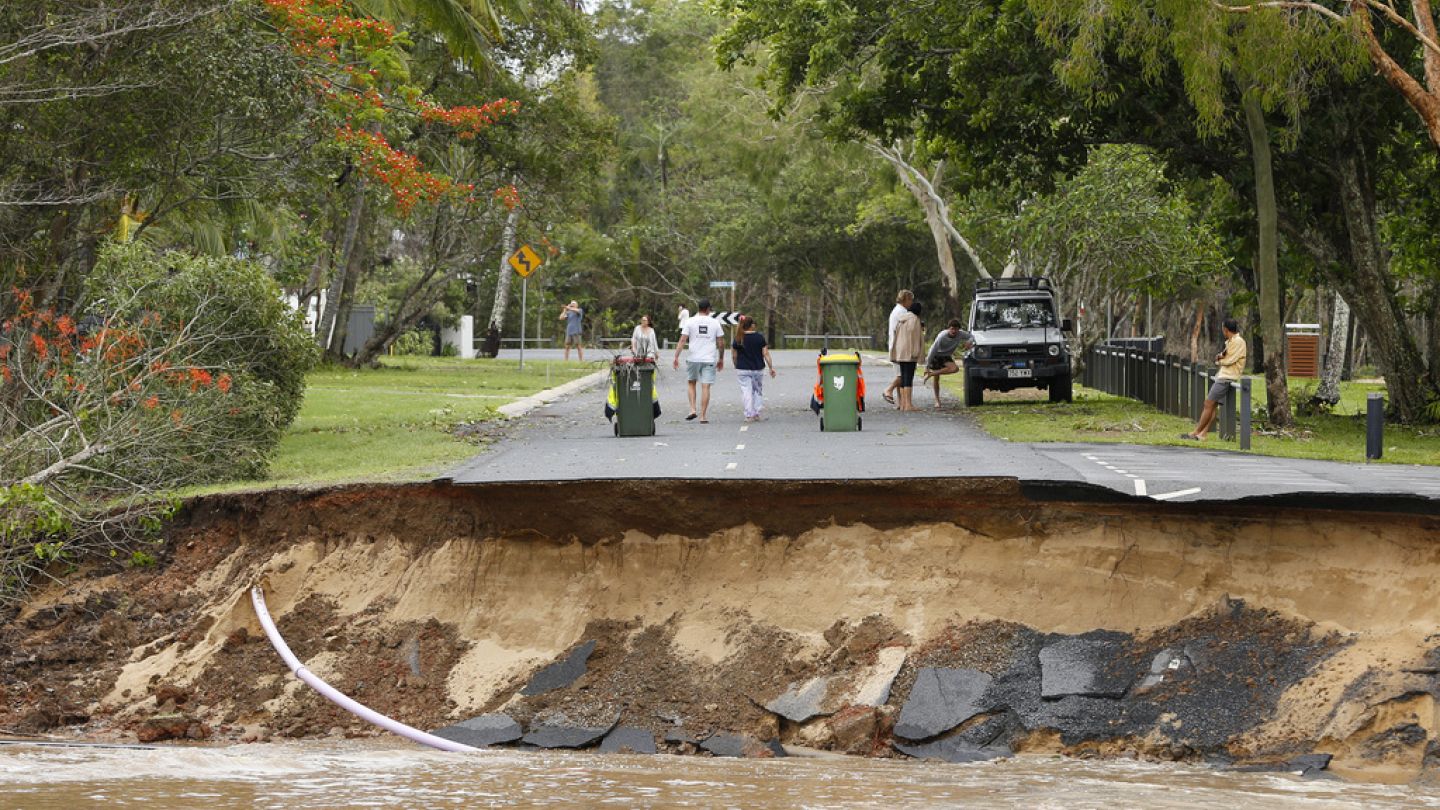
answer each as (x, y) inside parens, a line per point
(1122, 472)
(732, 465)
(744, 428)
(1140, 487)
(739, 447)
(1165, 496)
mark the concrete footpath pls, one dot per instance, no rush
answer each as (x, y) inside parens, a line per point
(571, 440)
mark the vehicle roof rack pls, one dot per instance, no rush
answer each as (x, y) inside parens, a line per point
(1013, 283)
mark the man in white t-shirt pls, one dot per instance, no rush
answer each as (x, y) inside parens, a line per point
(705, 336)
(903, 300)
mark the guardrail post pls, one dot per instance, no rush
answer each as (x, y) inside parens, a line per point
(1245, 413)
(1197, 395)
(1227, 420)
(1174, 409)
(1374, 427)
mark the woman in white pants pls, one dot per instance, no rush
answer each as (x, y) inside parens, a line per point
(751, 358)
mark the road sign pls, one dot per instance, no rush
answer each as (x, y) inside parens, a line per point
(525, 261)
(722, 285)
(731, 318)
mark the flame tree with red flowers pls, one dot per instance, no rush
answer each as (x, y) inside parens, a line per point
(359, 69)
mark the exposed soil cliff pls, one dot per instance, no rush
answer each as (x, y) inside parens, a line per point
(1249, 632)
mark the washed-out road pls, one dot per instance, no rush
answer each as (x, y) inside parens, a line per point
(571, 440)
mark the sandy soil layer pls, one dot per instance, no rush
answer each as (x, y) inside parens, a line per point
(1302, 630)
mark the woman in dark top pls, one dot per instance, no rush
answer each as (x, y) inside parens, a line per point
(751, 358)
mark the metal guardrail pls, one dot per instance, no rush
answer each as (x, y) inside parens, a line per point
(869, 339)
(1166, 382)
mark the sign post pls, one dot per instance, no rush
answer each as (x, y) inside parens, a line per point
(723, 285)
(525, 261)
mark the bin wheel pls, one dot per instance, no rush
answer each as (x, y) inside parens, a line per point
(859, 423)
(617, 428)
(822, 424)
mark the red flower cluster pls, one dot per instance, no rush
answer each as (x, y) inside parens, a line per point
(399, 171)
(319, 27)
(468, 121)
(328, 30)
(509, 196)
(115, 366)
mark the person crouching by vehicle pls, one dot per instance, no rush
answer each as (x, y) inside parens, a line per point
(905, 352)
(941, 359)
(751, 357)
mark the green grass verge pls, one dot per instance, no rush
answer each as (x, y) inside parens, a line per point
(1094, 416)
(397, 422)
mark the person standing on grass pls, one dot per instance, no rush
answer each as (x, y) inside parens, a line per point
(941, 359)
(903, 300)
(643, 343)
(751, 357)
(1232, 363)
(571, 314)
(905, 352)
(705, 336)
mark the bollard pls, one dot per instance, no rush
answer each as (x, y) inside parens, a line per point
(1245, 413)
(1227, 415)
(1374, 427)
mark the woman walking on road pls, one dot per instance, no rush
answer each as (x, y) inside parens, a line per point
(905, 352)
(751, 357)
(643, 343)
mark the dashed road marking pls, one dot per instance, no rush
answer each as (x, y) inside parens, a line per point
(1140, 487)
(732, 465)
(739, 447)
(744, 428)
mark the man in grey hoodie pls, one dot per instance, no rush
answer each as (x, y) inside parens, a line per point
(941, 359)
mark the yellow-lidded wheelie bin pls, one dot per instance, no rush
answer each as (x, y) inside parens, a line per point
(840, 385)
(633, 398)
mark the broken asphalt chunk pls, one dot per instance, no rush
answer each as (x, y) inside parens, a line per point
(559, 731)
(487, 729)
(940, 700)
(1081, 666)
(561, 673)
(628, 740)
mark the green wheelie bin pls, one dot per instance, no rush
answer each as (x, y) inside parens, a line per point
(633, 396)
(840, 382)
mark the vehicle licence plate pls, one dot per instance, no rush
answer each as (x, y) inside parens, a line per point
(1019, 372)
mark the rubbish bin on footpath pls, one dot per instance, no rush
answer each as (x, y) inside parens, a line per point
(840, 387)
(633, 401)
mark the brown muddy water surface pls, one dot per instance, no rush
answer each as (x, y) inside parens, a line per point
(371, 774)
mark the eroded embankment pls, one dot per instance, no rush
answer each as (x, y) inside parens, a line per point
(955, 619)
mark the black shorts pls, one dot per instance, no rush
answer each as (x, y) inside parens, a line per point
(907, 375)
(940, 361)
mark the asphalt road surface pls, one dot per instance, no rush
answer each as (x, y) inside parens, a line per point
(571, 440)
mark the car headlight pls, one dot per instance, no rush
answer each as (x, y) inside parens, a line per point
(1054, 350)
(982, 352)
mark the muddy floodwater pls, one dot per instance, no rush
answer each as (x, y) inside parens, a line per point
(373, 774)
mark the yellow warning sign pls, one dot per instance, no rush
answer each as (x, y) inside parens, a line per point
(525, 261)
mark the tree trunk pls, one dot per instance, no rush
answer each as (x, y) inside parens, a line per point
(1267, 266)
(1407, 381)
(937, 216)
(323, 330)
(1195, 330)
(352, 272)
(1329, 390)
(502, 283)
(1424, 98)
